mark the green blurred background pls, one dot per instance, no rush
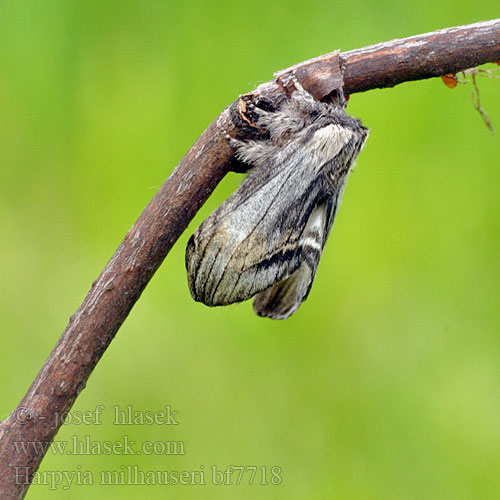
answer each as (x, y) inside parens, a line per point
(385, 384)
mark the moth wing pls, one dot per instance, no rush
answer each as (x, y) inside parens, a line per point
(284, 298)
(251, 240)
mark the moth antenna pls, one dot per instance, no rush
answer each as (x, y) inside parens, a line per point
(293, 78)
(299, 89)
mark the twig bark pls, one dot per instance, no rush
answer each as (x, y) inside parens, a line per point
(113, 294)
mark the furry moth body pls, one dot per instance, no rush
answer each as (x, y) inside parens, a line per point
(267, 238)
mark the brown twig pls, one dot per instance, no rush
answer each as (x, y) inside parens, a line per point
(476, 98)
(113, 294)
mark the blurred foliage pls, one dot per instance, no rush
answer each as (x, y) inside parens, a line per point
(386, 383)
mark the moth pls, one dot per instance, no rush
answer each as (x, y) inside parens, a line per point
(267, 238)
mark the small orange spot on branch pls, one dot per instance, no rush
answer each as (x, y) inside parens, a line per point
(450, 80)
